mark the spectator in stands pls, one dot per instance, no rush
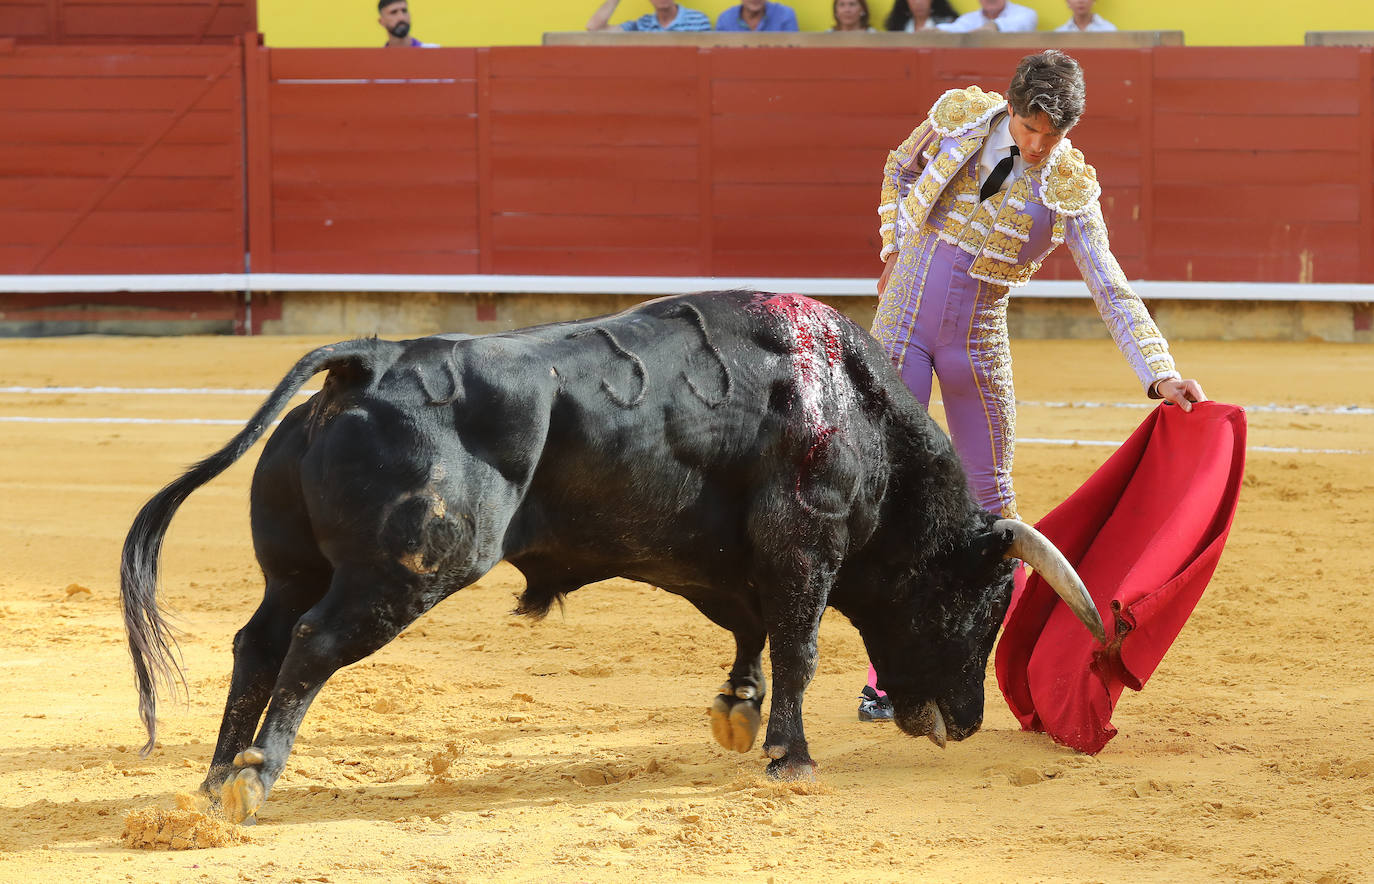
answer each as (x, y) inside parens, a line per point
(850, 15)
(757, 15)
(394, 16)
(995, 15)
(919, 15)
(667, 16)
(1084, 19)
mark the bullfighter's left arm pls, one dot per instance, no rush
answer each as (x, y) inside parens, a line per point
(1131, 327)
(903, 167)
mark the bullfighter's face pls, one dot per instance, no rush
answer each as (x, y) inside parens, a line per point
(932, 661)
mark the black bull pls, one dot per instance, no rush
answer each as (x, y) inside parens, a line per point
(755, 454)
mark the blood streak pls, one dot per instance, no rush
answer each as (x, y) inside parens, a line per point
(818, 368)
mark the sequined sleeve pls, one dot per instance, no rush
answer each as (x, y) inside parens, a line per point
(903, 167)
(1135, 333)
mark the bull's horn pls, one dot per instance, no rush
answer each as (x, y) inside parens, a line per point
(1036, 550)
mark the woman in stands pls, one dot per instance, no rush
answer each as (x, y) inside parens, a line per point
(919, 15)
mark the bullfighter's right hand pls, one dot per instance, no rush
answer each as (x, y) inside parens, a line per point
(887, 272)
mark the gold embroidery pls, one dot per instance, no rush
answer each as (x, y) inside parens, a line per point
(961, 110)
(1069, 184)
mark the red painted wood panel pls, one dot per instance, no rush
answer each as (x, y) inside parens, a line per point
(352, 64)
(647, 94)
(122, 161)
(129, 21)
(562, 62)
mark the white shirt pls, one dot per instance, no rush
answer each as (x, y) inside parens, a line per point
(911, 24)
(1012, 18)
(1097, 24)
(995, 150)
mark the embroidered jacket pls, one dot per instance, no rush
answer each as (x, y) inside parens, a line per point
(931, 180)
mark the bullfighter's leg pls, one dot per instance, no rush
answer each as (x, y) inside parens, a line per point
(366, 607)
(259, 648)
(736, 711)
(792, 612)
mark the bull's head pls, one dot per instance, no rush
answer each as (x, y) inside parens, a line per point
(933, 661)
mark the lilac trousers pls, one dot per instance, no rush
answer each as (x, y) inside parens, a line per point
(942, 322)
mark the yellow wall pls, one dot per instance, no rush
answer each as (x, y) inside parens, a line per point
(523, 22)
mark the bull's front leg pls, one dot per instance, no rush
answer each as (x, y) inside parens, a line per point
(794, 619)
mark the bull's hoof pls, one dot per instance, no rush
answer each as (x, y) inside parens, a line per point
(792, 770)
(734, 722)
(241, 796)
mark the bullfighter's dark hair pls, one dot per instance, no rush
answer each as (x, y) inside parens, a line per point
(1051, 83)
(940, 12)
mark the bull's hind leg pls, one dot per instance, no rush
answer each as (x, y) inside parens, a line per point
(736, 710)
(364, 609)
(259, 648)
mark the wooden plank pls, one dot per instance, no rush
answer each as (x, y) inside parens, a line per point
(874, 97)
(1292, 203)
(358, 261)
(130, 93)
(365, 235)
(377, 168)
(1254, 236)
(59, 126)
(595, 161)
(646, 94)
(26, 21)
(64, 160)
(1224, 97)
(144, 259)
(346, 134)
(373, 63)
(1244, 166)
(782, 233)
(188, 160)
(1176, 131)
(132, 22)
(814, 200)
(396, 201)
(1365, 138)
(598, 262)
(811, 263)
(1266, 63)
(592, 231)
(397, 101)
(594, 129)
(705, 165)
(562, 62)
(883, 65)
(801, 164)
(18, 259)
(158, 228)
(124, 61)
(885, 131)
(1256, 268)
(610, 197)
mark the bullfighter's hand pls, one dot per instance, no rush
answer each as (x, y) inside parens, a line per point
(887, 272)
(1181, 392)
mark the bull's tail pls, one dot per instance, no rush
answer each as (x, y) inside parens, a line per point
(151, 640)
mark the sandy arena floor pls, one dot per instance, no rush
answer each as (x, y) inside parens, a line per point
(480, 747)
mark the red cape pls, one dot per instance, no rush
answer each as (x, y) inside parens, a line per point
(1145, 533)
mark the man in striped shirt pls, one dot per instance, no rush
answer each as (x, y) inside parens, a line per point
(667, 16)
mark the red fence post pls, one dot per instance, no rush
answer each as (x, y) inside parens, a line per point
(258, 150)
(1366, 137)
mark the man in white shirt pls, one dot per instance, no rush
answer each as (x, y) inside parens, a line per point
(995, 15)
(1084, 19)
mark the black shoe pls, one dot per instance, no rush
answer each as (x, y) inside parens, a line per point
(873, 707)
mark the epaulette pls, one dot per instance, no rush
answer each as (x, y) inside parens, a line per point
(962, 110)
(1069, 184)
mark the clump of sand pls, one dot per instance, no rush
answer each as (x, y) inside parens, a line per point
(152, 828)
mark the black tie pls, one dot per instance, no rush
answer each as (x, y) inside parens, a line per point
(999, 174)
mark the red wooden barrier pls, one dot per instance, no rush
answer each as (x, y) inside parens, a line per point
(69, 22)
(1217, 164)
(364, 161)
(125, 161)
